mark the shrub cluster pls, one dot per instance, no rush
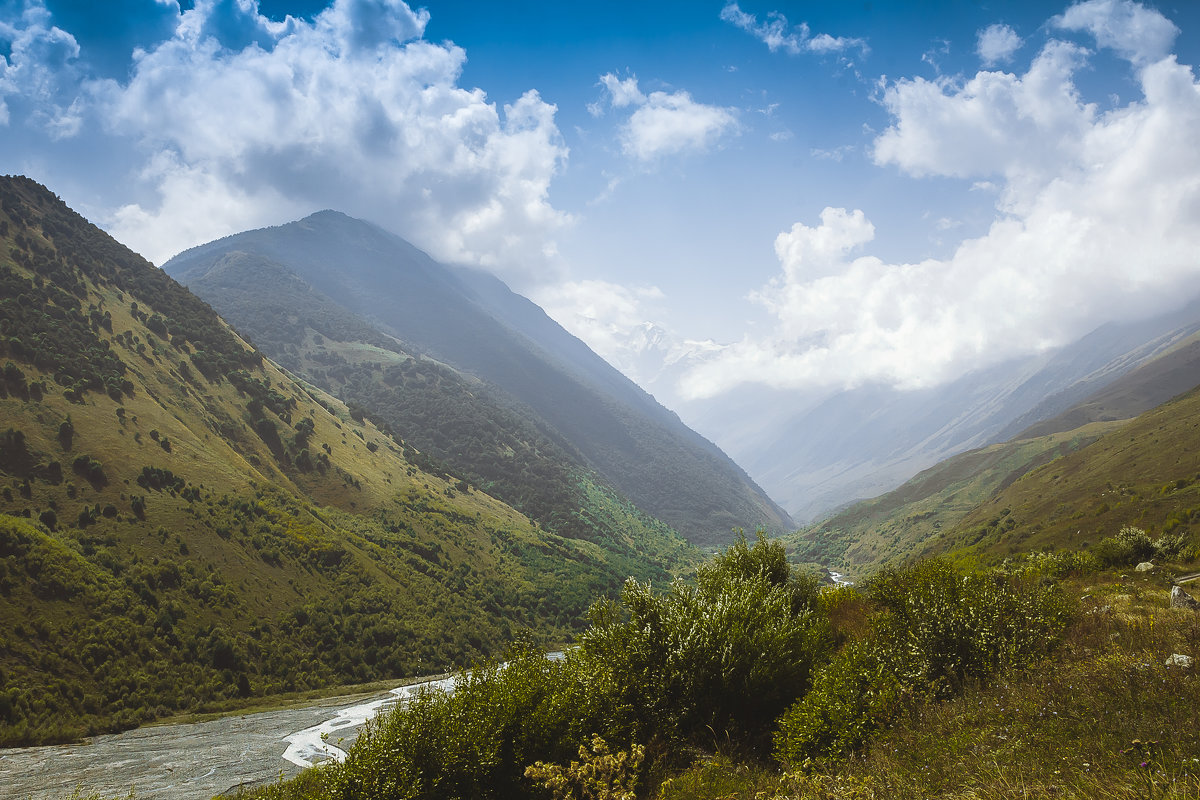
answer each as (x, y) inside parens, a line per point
(1133, 545)
(718, 658)
(937, 632)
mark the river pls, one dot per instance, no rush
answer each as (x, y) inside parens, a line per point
(195, 761)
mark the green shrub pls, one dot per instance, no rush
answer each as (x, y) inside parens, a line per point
(936, 632)
(1133, 545)
(968, 626)
(91, 470)
(475, 742)
(860, 691)
(1056, 564)
(723, 656)
(599, 774)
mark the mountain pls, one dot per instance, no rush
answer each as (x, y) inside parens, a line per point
(974, 489)
(818, 454)
(1143, 472)
(898, 524)
(182, 523)
(329, 288)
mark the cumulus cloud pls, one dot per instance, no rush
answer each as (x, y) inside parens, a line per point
(1097, 214)
(1136, 32)
(997, 44)
(778, 34)
(665, 123)
(244, 121)
(40, 72)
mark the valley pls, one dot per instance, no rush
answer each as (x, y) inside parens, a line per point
(740, 400)
(218, 529)
(191, 523)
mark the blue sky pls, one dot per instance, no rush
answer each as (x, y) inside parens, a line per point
(805, 196)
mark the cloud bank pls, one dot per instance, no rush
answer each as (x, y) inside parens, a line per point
(243, 121)
(1098, 214)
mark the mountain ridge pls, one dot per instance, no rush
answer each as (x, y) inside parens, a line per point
(473, 323)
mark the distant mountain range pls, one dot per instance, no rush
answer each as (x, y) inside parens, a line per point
(1124, 454)
(479, 377)
(817, 454)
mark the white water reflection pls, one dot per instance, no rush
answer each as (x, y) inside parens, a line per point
(319, 744)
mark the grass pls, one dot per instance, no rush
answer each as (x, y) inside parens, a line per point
(1145, 473)
(894, 526)
(1104, 718)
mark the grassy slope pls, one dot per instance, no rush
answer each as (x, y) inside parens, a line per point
(897, 525)
(1143, 473)
(251, 574)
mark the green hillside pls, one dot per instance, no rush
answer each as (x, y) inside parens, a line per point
(182, 523)
(1144, 473)
(895, 526)
(460, 423)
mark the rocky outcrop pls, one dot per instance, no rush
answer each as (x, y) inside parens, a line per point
(1181, 599)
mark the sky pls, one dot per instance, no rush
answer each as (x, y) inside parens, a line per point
(800, 196)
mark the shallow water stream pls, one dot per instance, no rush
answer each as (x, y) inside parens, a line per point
(194, 761)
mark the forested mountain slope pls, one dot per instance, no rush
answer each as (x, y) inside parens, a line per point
(181, 522)
(528, 376)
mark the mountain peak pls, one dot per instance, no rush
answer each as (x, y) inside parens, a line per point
(473, 323)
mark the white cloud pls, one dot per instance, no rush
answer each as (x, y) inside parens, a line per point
(622, 92)
(996, 123)
(1098, 216)
(665, 123)
(836, 154)
(668, 124)
(606, 315)
(241, 121)
(617, 322)
(40, 72)
(777, 34)
(1136, 32)
(996, 44)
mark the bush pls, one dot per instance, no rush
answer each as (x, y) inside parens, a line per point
(598, 774)
(91, 470)
(938, 630)
(1133, 545)
(721, 657)
(725, 655)
(859, 692)
(475, 742)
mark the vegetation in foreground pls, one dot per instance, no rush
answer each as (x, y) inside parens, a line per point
(1047, 677)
